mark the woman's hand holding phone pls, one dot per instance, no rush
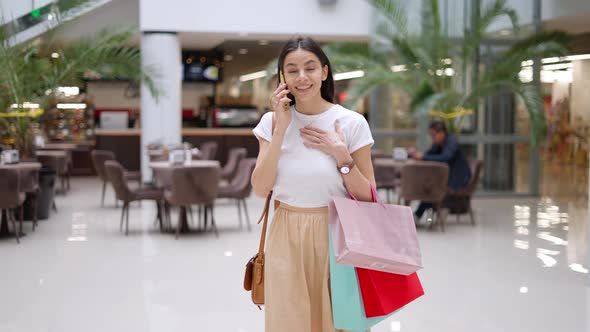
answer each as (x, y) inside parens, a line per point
(280, 105)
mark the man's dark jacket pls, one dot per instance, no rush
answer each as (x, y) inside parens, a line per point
(449, 152)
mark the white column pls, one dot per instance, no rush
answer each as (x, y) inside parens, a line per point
(580, 112)
(160, 117)
(580, 98)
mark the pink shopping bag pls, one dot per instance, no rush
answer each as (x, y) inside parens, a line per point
(374, 235)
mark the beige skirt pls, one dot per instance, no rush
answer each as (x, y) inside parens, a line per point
(297, 271)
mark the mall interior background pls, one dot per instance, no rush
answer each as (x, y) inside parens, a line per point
(241, 39)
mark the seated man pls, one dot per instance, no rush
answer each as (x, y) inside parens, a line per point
(445, 148)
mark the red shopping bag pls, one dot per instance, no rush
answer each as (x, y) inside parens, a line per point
(384, 293)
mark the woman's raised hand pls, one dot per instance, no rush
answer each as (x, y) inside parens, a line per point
(280, 105)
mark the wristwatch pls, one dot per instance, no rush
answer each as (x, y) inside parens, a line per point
(346, 168)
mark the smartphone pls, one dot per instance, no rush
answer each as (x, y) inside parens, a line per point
(282, 80)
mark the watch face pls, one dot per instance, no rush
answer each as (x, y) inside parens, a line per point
(344, 170)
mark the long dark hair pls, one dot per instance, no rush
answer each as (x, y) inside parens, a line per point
(308, 44)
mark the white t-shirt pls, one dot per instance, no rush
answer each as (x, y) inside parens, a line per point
(308, 177)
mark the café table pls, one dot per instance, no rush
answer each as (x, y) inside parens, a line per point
(56, 160)
(162, 155)
(163, 171)
(388, 173)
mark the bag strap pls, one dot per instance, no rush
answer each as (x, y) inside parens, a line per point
(265, 217)
(266, 209)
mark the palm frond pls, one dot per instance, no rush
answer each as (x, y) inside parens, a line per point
(544, 44)
(363, 86)
(492, 12)
(558, 40)
(534, 103)
(422, 93)
(441, 101)
(106, 53)
(487, 88)
(349, 56)
(395, 12)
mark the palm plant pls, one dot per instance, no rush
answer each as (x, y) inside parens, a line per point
(430, 66)
(32, 72)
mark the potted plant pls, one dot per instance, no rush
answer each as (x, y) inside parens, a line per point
(434, 68)
(33, 71)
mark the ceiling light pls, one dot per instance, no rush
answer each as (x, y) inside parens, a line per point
(243, 51)
(263, 42)
(558, 59)
(228, 57)
(398, 68)
(552, 76)
(72, 106)
(25, 105)
(253, 76)
(349, 75)
(242, 34)
(577, 57)
(558, 66)
(524, 290)
(69, 90)
(551, 60)
(55, 55)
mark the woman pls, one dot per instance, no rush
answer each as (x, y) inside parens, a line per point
(315, 150)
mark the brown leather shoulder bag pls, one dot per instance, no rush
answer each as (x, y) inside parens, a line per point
(254, 276)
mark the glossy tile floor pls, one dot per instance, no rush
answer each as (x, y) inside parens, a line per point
(521, 268)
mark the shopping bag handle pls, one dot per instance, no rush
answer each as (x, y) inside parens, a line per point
(375, 198)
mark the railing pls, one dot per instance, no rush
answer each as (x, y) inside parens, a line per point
(46, 18)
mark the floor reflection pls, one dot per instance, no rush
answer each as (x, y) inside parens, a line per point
(562, 217)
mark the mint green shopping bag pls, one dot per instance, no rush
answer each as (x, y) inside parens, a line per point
(348, 310)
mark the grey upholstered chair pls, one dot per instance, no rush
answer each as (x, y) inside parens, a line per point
(11, 198)
(116, 176)
(386, 178)
(426, 181)
(240, 187)
(459, 202)
(231, 166)
(194, 186)
(208, 151)
(99, 157)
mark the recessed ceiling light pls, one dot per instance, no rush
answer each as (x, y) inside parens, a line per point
(228, 57)
(243, 51)
(263, 42)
